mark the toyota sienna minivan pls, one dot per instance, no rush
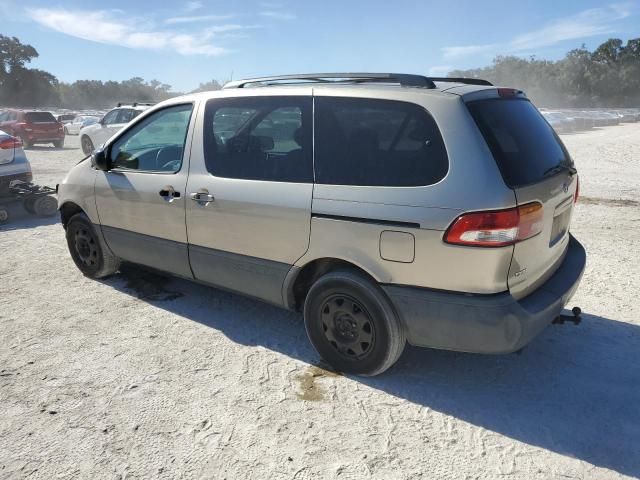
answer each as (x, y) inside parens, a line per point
(388, 208)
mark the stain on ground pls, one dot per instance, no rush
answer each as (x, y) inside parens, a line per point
(148, 285)
(609, 202)
(308, 389)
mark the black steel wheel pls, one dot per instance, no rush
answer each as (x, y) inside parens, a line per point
(347, 326)
(93, 258)
(352, 324)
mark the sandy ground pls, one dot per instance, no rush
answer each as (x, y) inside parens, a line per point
(139, 376)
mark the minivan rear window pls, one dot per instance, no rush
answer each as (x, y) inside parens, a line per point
(523, 144)
(39, 117)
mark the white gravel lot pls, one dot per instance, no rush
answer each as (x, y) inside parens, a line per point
(139, 376)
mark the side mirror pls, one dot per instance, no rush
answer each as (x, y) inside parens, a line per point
(100, 160)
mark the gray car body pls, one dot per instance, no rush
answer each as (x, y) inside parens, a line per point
(13, 164)
(261, 238)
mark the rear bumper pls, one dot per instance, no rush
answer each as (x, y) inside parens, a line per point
(486, 323)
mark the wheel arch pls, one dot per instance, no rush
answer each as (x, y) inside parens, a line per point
(68, 210)
(300, 278)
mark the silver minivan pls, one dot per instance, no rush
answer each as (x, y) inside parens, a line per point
(386, 207)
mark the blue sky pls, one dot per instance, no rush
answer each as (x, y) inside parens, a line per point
(185, 42)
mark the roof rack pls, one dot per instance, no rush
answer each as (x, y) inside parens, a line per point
(135, 104)
(468, 81)
(404, 79)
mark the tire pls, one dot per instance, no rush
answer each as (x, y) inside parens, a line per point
(4, 216)
(25, 144)
(87, 145)
(28, 205)
(89, 253)
(352, 324)
(59, 143)
(45, 206)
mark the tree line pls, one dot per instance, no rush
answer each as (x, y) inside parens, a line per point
(608, 76)
(29, 87)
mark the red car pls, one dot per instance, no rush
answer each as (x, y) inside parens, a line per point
(32, 127)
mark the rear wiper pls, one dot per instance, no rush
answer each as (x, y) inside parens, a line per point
(559, 168)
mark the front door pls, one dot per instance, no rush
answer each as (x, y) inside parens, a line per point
(141, 200)
(249, 192)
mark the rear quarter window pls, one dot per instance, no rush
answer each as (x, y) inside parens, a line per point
(523, 144)
(372, 142)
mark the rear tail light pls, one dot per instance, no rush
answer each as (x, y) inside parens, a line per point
(575, 198)
(10, 143)
(496, 228)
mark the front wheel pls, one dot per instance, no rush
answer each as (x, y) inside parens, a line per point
(352, 324)
(87, 145)
(91, 257)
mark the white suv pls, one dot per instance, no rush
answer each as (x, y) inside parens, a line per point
(98, 133)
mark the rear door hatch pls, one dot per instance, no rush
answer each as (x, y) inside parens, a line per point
(536, 165)
(43, 124)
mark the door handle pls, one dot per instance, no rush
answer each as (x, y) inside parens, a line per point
(202, 197)
(169, 193)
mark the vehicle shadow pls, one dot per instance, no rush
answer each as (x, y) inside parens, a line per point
(20, 219)
(574, 391)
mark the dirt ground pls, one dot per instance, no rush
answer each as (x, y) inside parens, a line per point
(139, 376)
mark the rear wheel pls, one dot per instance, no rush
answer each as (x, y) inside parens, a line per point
(87, 145)
(59, 143)
(352, 324)
(4, 216)
(87, 251)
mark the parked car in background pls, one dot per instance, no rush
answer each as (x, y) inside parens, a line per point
(13, 162)
(33, 127)
(389, 208)
(78, 123)
(95, 135)
(66, 118)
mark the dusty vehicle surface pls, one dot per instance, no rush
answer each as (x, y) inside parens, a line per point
(386, 207)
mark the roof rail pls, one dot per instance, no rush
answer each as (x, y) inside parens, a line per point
(135, 104)
(404, 79)
(468, 81)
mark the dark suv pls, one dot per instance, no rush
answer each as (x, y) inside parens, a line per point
(32, 127)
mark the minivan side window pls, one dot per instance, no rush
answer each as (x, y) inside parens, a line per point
(259, 138)
(369, 142)
(156, 144)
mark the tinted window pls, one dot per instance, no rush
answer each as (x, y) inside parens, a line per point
(110, 118)
(377, 143)
(259, 138)
(154, 144)
(39, 117)
(126, 115)
(522, 142)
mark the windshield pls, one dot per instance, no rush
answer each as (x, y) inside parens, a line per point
(523, 144)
